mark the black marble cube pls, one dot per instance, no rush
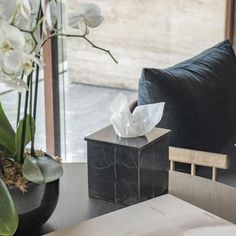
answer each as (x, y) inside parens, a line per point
(127, 170)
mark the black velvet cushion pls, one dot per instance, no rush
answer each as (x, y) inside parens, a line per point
(200, 96)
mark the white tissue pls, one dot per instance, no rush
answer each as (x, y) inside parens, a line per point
(140, 122)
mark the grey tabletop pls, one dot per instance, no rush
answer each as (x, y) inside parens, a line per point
(74, 205)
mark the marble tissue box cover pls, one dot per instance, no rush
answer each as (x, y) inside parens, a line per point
(127, 171)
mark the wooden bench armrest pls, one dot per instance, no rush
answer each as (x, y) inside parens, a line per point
(200, 158)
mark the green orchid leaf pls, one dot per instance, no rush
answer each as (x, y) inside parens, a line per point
(8, 216)
(31, 170)
(42, 169)
(30, 124)
(7, 134)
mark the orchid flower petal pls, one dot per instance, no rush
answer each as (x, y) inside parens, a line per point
(90, 13)
(16, 37)
(12, 61)
(25, 8)
(52, 19)
(50, 16)
(28, 64)
(21, 83)
(18, 61)
(43, 6)
(2, 34)
(13, 83)
(13, 35)
(94, 17)
(45, 31)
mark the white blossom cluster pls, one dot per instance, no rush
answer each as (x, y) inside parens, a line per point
(25, 25)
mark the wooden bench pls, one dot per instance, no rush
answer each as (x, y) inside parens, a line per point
(198, 158)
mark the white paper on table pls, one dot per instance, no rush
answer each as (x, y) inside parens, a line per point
(143, 119)
(212, 231)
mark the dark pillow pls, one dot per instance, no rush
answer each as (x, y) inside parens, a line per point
(200, 97)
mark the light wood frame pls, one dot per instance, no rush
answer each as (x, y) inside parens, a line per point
(198, 158)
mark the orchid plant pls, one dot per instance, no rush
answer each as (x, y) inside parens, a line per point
(25, 27)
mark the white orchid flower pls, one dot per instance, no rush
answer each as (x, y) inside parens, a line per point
(89, 15)
(18, 61)
(50, 15)
(11, 38)
(17, 84)
(13, 83)
(24, 16)
(43, 6)
(24, 8)
(28, 63)
(16, 12)
(12, 62)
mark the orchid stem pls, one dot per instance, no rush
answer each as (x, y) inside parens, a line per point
(85, 38)
(100, 48)
(19, 104)
(22, 147)
(32, 35)
(34, 108)
(36, 92)
(38, 23)
(18, 109)
(30, 112)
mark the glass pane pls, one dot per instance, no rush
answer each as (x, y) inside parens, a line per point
(151, 33)
(9, 100)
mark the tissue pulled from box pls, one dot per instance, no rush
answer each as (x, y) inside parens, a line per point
(143, 119)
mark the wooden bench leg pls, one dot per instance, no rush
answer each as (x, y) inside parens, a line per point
(172, 165)
(214, 173)
(193, 169)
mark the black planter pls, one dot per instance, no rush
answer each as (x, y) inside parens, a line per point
(35, 206)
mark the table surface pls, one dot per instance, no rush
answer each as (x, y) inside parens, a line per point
(75, 206)
(164, 215)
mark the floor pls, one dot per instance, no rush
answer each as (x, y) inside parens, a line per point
(86, 110)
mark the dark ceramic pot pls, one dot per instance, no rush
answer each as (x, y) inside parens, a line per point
(35, 206)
